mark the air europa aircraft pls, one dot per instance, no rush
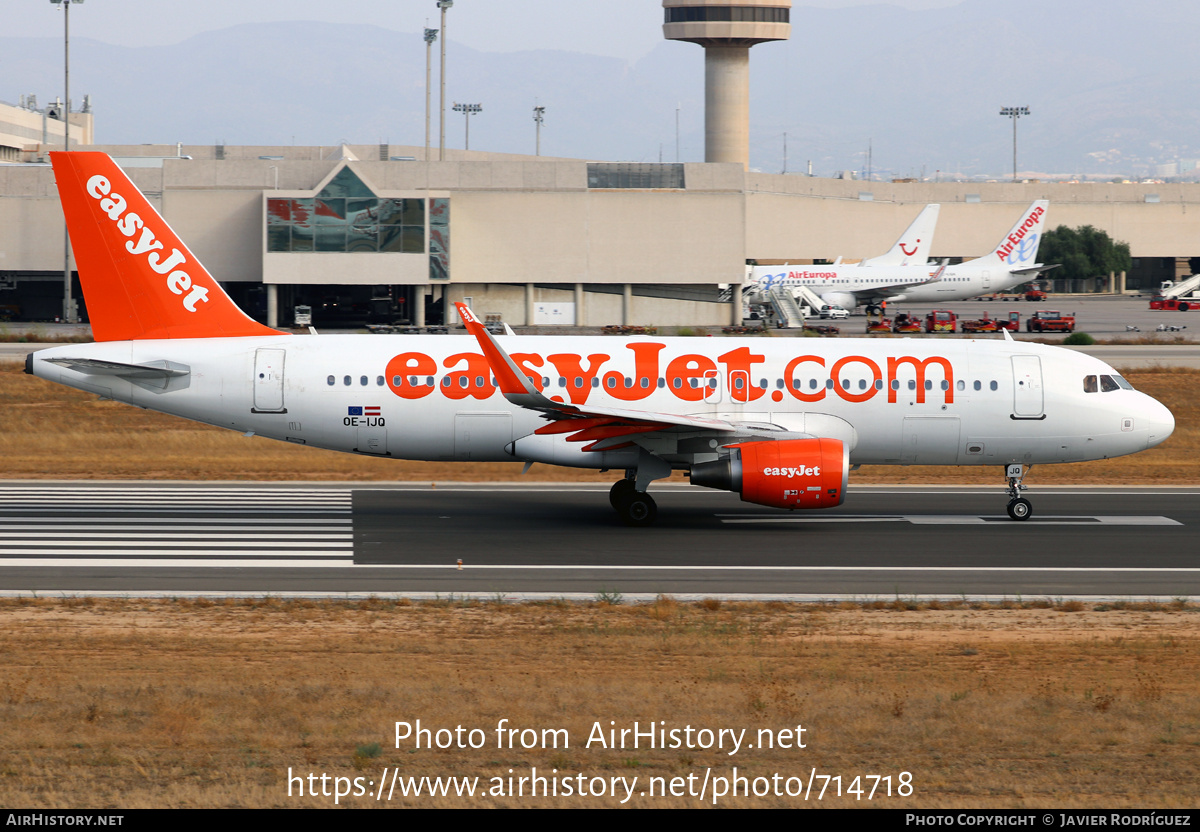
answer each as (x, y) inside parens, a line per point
(1010, 263)
(779, 421)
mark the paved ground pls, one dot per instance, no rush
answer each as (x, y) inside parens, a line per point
(562, 541)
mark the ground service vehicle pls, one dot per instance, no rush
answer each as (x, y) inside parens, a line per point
(941, 320)
(984, 324)
(778, 421)
(906, 323)
(1173, 304)
(1033, 293)
(1047, 320)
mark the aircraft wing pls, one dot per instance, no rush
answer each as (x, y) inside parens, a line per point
(605, 427)
(899, 286)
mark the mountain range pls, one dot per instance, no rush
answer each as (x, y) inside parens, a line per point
(1108, 86)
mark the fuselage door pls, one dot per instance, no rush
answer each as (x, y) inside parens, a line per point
(1028, 396)
(268, 380)
(986, 277)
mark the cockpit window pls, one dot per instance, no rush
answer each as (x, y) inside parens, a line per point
(1107, 385)
(1090, 385)
(1125, 385)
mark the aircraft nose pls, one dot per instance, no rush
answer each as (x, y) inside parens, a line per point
(1160, 422)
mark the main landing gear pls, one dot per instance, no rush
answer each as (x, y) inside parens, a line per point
(635, 508)
(1018, 507)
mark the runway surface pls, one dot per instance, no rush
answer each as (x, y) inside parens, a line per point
(554, 540)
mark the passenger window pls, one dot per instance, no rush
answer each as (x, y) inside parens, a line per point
(479, 381)
(346, 380)
(330, 381)
(379, 381)
(878, 384)
(895, 384)
(994, 386)
(961, 385)
(445, 381)
(828, 384)
(912, 384)
(1089, 384)
(677, 382)
(363, 381)
(978, 385)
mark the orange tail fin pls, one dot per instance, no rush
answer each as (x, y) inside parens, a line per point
(139, 279)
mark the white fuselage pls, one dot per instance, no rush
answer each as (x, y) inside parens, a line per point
(903, 401)
(848, 286)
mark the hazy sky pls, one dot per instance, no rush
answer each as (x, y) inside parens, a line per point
(619, 28)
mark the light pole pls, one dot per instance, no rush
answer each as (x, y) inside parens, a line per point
(538, 117)
(468, 110)
(430, 37)
(69, 316)
(443, 5)
(1014, 113)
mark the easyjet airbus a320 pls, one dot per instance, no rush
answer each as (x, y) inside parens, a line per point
(779, 421)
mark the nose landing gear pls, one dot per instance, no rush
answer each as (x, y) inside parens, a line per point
(1018, 507)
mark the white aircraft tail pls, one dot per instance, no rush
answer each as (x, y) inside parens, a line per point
(912, 249)
(1019, 247)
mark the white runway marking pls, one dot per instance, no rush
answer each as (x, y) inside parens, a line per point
(175, 527)
(997, 520)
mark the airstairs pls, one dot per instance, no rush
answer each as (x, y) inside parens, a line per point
(1183, 287)
(786, 308)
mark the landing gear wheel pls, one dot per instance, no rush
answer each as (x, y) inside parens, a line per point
(621, 491)
(638, 510)
(1020, 509)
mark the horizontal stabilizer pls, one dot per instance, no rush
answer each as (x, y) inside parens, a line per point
(153, 375)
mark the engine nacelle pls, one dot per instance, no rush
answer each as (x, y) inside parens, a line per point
(846, 300)
(790, 473)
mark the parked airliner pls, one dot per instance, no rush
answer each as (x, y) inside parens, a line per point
(779, 421)
(1011, 262)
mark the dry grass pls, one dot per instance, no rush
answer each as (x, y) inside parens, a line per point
(129, 703)
(51, 431)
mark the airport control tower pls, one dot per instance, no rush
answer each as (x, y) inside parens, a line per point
(727, 29)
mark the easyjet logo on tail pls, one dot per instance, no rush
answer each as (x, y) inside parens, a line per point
(143, 242)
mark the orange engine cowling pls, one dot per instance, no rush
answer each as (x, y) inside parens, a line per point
(791, 473)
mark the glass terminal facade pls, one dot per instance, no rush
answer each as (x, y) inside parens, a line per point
(347, 216)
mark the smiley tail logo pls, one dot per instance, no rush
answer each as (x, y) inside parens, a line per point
(906, 252)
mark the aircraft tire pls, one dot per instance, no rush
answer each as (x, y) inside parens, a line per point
(1020, 509)
(638, 510)
(621, 491)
